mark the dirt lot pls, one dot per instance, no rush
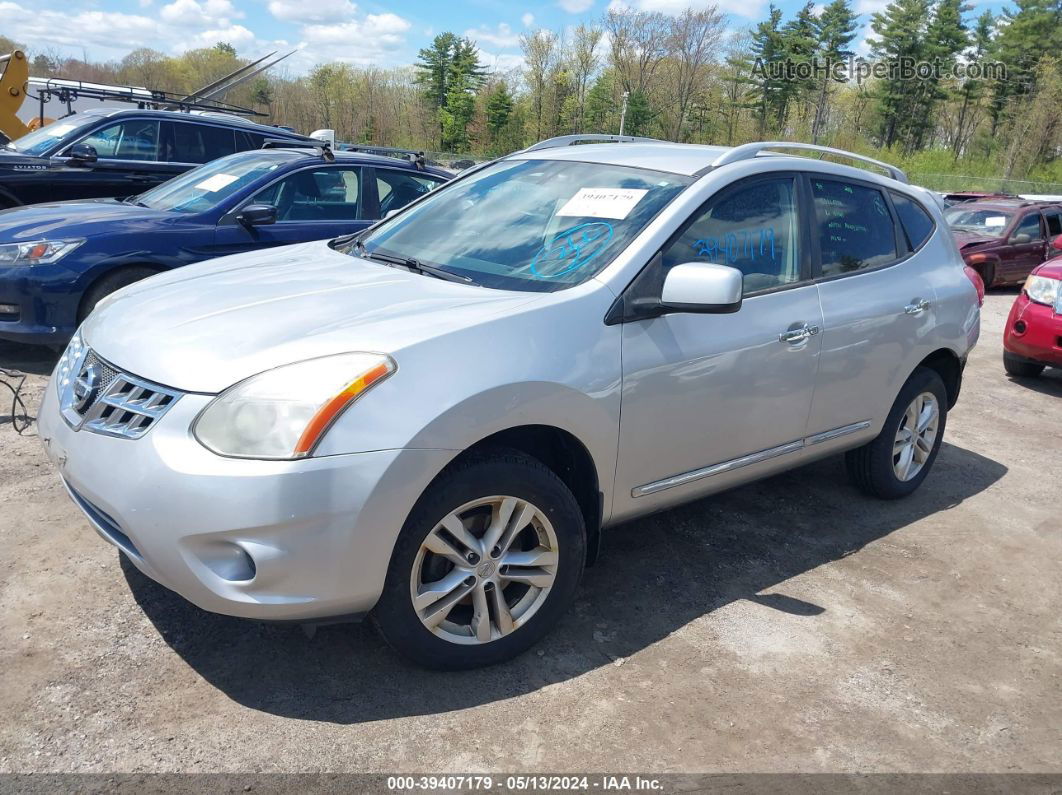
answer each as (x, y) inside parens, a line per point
(791, 625)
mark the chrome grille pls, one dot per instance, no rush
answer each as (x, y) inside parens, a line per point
(96, 396)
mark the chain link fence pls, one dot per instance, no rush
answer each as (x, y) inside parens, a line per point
(954, 183)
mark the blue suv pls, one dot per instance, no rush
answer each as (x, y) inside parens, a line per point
(57, 261)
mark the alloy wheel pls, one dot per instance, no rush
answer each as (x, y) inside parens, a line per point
(484, 570)
(916, 436)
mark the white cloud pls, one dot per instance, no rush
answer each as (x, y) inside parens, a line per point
(195, 14)
(236, 35)
(309, 12)
(575, 6)
(528, 19)
(501, 62)
(502, 37)
(870, 6)
(362, 42)
(109, 31)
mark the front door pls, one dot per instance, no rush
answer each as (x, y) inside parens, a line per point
(707, 395)
(315, 203)
(1026, 249)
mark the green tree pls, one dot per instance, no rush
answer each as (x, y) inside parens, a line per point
(1032, 28)
(499, 109)
(835, 28)
(447, 71)
(901, 44)
(768, 50)
(225, 47)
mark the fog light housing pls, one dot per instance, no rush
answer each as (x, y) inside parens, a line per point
(229, 561)
(1020, 327)
(9, 309)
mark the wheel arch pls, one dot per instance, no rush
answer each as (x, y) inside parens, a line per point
(567, 457)
(110, 270)
(949, 366)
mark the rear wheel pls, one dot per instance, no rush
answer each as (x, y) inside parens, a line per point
(896, 462)
(1020, 368)
(485, 565)
(108, 284)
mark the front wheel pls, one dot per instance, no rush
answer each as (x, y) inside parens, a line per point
(488, 560)
(896, 462)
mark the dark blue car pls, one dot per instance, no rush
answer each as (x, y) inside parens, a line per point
(58, 260)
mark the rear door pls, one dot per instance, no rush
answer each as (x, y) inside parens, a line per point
(313, 203)
(877, 303)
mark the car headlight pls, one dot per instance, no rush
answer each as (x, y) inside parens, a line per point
(66, 368)
(37, 252)
(283, 413)
(1041, 289)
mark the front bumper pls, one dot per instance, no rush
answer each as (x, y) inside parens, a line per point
(46, 298)
(1034, 332)
(277, 540)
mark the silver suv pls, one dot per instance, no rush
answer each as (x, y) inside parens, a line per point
(436, 420)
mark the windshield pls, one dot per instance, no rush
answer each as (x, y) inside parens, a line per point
(535, 225)
(203, 188)
(986, 221)
(40, 142)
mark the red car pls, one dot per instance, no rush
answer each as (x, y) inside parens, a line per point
(1004, 239)
(1033, 337)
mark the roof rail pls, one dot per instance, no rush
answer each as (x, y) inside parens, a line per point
(287, 143)
(572, 140)
(747, 151)
(413, 156)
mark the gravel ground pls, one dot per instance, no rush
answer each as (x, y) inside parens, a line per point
(791, 625)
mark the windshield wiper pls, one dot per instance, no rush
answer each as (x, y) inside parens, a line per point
(414, 265)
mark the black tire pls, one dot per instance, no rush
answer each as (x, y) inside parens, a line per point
(987, 272)
(870, 467)
(1021, 368)
(108, 284)
(501, 472)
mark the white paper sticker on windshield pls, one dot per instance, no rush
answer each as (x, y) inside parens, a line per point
(603, 202)
(59, 130)
(216, 182)
(996, 220)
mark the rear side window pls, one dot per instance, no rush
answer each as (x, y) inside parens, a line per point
(246, 140)
(396, 189)
(1054, 223)
(200, 143)
(916, 222)
(752, 228)
(854, 226)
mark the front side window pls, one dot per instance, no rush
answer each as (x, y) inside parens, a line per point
(916, 222)
(323, 194)
(136, 139)
(854, 226)
(533, 225)
(753, 228)
(205, 187)
(199, 143)
(396, 189)
(1030, 227)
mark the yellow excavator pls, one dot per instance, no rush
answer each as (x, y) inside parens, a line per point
(13, 85)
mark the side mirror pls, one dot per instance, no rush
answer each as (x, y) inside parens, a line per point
(1020, 238)
(702, 287)
(257, 215)
(1057, 243)
(83, 154)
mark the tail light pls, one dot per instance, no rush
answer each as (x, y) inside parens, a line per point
(978, 284)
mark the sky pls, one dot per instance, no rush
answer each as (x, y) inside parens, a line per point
(367, 33)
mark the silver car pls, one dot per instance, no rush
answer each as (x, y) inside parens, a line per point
(435, 421)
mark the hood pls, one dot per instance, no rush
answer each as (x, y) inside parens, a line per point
(1051, 268)
(964, 239)
(204, 327)
(74, 219)
(11, 160)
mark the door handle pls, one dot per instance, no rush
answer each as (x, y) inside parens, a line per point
(797, 335)
(917, 308)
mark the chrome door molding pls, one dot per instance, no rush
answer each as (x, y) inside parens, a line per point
(747, 460)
